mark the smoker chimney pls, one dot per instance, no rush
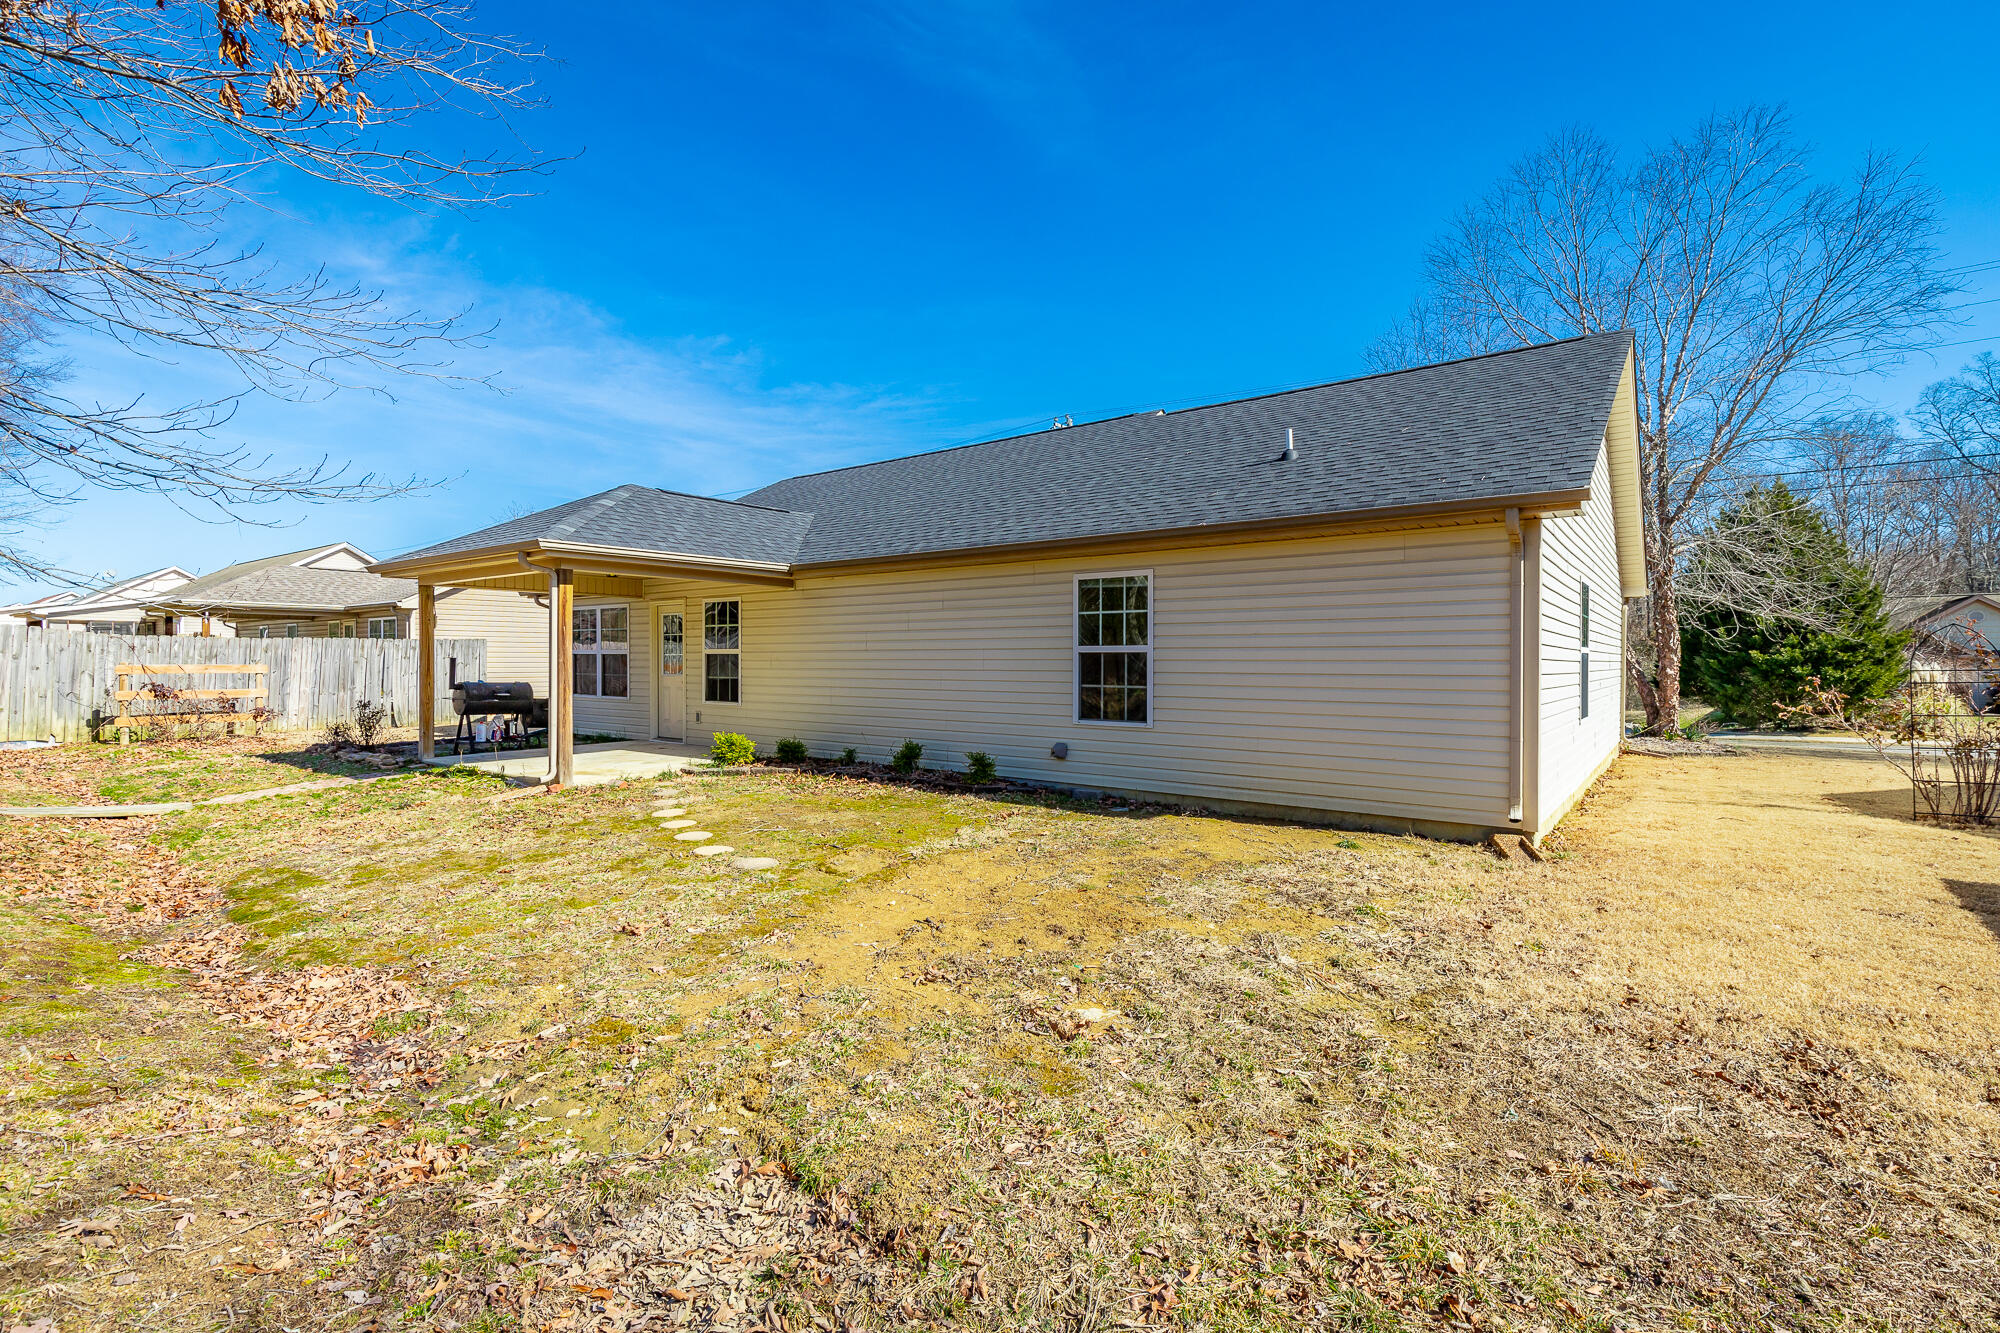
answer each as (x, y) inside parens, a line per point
(1291, 453)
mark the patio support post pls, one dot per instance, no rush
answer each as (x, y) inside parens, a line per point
(562, 678)
(426, 671)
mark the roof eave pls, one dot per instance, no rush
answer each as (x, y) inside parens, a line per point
(1621, 444)
(541, 554)
(289, 608)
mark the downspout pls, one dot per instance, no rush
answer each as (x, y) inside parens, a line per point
(1517, 566)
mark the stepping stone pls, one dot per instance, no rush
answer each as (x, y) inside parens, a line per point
(672, 812)
(753, 862)
(713, 849)
(692, 835)
(679, 823)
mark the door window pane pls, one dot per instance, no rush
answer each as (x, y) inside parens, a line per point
(671, 644)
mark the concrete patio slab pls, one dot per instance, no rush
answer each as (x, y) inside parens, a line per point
(612, 761)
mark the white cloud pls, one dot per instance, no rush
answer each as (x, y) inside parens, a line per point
(581, 404)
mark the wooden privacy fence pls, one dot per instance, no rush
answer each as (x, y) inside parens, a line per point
(62, 682)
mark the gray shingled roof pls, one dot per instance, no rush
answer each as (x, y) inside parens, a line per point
(292, 588)
(230, 573)
(1510, 424)
(641, 518)
(1515, 423)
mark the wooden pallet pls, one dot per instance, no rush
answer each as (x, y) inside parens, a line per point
(125, 692)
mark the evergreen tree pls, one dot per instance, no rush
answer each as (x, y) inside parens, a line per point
(1750, 666)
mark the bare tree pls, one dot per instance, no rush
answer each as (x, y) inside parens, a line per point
(130, 129)
(1753, 292)
(1963, 414)
(1923, 519)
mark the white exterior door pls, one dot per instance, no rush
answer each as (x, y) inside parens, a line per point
(670, 692)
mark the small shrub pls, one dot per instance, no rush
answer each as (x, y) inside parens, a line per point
(729, 749)
(370, 718)
(340, 732)
(907, 755)
(791, 750)
(979, 766)
(850, 756)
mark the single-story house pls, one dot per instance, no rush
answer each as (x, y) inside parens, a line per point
(1955, 641)
(1392, 602)
(117, 608)
(327, 592)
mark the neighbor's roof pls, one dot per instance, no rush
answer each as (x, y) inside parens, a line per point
(1908, 612)
(228, 574)
(1488, 429)
(286, 587)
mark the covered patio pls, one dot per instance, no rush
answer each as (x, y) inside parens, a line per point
(541, 557)
(590, 765)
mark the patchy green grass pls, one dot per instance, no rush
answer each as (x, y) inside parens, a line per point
(104, 774)
(1056, 1062)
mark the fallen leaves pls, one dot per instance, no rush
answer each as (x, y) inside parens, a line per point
(318, 1015)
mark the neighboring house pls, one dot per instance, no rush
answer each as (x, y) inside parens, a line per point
(327, 592)
(1394, 602)
(1955, 640)
(115, 609)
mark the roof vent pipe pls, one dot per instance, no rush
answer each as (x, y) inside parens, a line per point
(1291, 453)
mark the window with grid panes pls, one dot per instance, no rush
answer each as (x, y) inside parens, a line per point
(1114, 648)
(722, 652)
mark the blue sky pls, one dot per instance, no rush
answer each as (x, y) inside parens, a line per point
(799, 236)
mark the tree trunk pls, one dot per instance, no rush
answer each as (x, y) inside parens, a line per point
(1663, 708)
(1643, 685)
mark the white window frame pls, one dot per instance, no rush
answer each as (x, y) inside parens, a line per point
(395, 629)
(707, 652)
(597, 651)
(1583, 651)
(1077, 649)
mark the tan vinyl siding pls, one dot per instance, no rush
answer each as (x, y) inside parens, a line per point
(515, 629)
(1363, 674)
(1575, 551)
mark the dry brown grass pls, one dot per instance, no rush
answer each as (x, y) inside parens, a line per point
(1729, 1061)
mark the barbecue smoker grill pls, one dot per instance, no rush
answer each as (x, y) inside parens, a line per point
(512, 701)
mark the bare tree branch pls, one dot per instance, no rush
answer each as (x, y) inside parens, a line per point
(1753, 293)
(131, 128)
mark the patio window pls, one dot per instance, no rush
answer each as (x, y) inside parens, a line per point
(601, 641)
(1114, 649)
(382, 627)
(721, 652)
